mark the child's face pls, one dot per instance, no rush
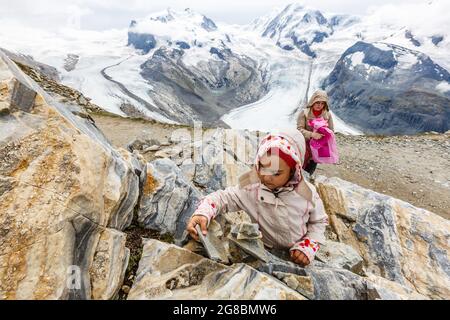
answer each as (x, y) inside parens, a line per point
(319, 105)
(273, 171)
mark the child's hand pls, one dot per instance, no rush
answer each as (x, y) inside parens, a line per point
(316, 135)
(299, 257)
(202, 221)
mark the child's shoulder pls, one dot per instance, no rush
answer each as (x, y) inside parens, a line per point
(308, 191)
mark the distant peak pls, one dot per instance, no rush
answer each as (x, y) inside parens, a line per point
(186, 17)
(295, 6)
(170, 14)
(162, 16)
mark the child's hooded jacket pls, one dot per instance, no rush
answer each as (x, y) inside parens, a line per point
(291, 217)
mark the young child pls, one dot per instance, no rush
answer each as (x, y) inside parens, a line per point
(318, 106)
(288, 210)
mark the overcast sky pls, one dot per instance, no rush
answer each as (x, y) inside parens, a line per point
(107, 14)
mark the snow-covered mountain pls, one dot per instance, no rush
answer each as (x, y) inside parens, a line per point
(184, 28)
(180, 66)
(388, 89)
(300, 27)
(195, 71)
(421, 65)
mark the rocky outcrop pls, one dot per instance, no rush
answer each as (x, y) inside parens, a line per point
(62, 93)
(378, 247)
(71, 61)
(28, 61)
(168, 199)
(387, 89)
(144, 42)
(65, 196)
(436, 39)
(398, 242)
(170, 272)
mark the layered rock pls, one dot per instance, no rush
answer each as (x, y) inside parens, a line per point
(324, 283)
(169, 272)
(330, 281)
(168, 201)
(339, 255)
(398, 242)
(65, 195)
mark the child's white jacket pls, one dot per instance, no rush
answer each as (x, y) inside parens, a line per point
(294, 218)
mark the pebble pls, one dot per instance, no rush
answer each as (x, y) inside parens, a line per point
(152, 148)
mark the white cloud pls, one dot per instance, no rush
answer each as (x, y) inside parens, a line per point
(443, 87)
(424, 17)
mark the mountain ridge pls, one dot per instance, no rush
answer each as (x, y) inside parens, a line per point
(271, 79)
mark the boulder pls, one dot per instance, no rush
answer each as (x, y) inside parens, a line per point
(323, 281)
(382, 289)
(168, 200)
(339, 255)
(169, 272)
(397, 241)
(65, 196)
(327, 284)
(221, 156)
(109, 265)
